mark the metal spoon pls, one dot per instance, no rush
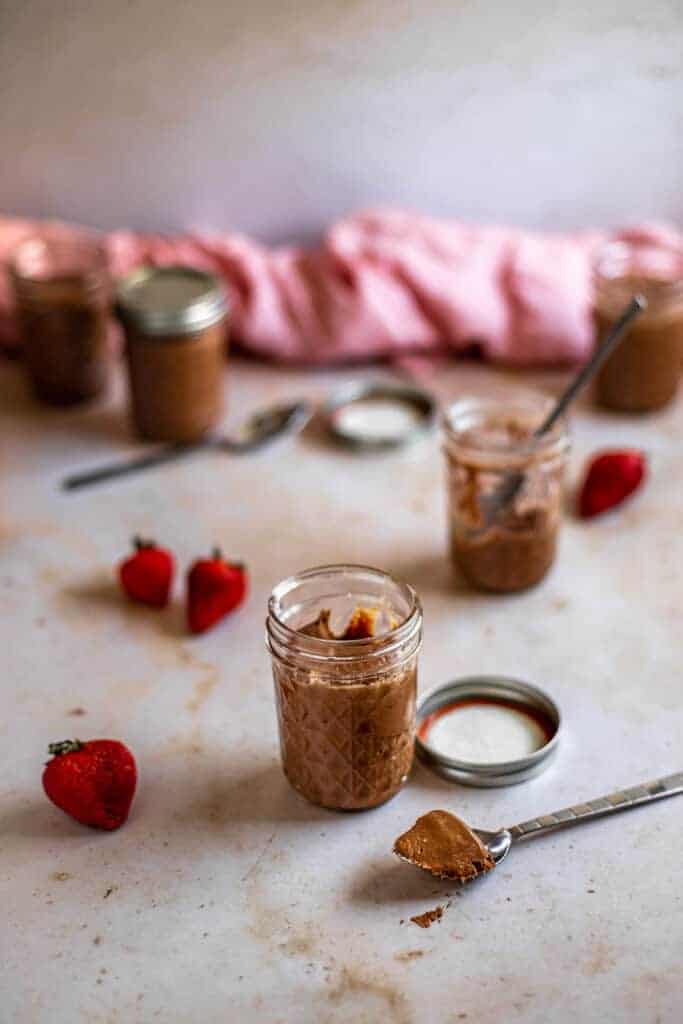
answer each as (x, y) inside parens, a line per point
(257, 431)
(493, 504)
(499, 843)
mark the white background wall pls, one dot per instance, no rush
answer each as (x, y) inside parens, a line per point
(274, 116)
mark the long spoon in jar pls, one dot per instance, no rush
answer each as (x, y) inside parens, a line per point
(492, 505)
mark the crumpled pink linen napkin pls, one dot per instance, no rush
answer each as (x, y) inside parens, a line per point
(384, 283)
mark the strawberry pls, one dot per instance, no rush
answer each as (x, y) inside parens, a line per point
(94, 782)
(214, 588)
(611, 477)
(148, 574)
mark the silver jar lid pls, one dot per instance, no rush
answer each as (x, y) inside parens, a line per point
(487, 730)
(170, 300)
(379, 415)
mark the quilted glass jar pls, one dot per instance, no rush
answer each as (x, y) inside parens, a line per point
(345, 707)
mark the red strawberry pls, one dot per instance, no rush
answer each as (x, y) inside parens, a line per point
(214, 588)
(148, 574)
(94, 782)
(610, 478)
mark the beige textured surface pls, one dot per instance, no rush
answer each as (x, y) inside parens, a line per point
(225, 896)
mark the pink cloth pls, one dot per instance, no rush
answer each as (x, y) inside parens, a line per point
(385, 283)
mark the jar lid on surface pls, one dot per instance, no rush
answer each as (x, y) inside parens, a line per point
(487, 730)
(379, 415)
(170, 300)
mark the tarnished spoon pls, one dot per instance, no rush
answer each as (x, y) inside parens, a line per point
(259, 429)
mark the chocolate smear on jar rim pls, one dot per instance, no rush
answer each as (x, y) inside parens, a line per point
(443, 845)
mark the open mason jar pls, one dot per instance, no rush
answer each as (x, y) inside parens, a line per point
(486, 439)
(345, 700)
(644, 370)
(63, 297)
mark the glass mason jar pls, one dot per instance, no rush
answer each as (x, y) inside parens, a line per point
(62, 292)
(175, 321)
(345, 708)
(644, 370)
(485, 439)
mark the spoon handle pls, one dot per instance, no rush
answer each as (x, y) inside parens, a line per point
(156, 458)
(637, 304)
(622, 800)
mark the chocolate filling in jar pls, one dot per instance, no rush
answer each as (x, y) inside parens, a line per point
(644, 371)
(175, 323)
(63, 299)
(486, 439)
(344, 642)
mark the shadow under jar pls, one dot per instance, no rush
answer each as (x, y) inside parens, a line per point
(345, 707)
(486, 438)
(63, 299)
(176, 339)
(644, 371)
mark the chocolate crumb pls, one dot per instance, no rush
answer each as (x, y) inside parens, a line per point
(409, 954)
(428, 918)
(97, 940)
(108, 892)
(76, 712)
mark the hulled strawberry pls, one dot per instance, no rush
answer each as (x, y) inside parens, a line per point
(214, 588)
(610, 478)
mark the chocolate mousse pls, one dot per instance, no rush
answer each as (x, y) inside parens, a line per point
(644, 371)
(444, 846)
(518, 548)
(347, 740)
(62, 297)
(363, 624)
(175, 321)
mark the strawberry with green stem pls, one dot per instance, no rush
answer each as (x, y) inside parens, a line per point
(147, 575)
(93, 782)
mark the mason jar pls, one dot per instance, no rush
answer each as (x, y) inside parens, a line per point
(63, 299)
(175, 321)
(486, 439)
(345, 707)
(644, 371)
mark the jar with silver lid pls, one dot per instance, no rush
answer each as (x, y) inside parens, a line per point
(176, 333)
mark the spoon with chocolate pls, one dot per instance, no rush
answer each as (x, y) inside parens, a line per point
(446, 847)
(492, 505)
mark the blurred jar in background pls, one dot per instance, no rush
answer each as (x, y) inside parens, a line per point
(175, 320)
(644, 371)
(63, 297)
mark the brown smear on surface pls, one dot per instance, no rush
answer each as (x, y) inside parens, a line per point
(408, 955)
(352, 982)
(442, 844)
(203, 689)
(428, 918)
